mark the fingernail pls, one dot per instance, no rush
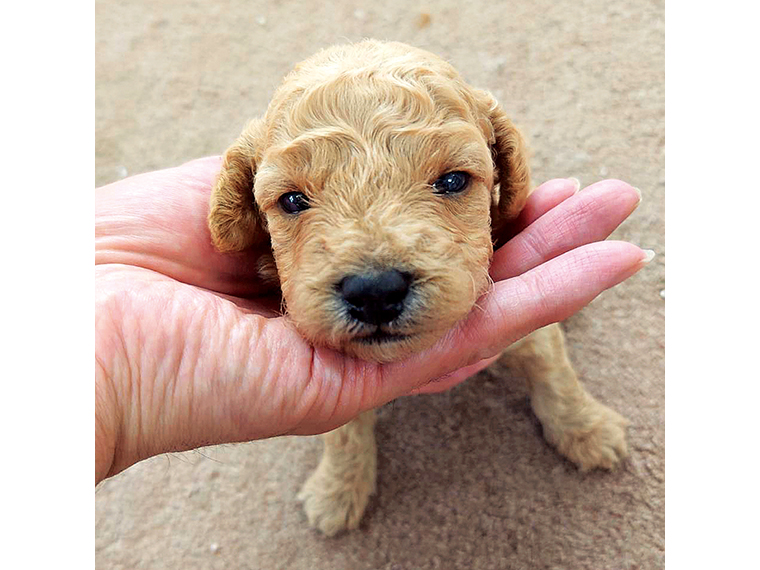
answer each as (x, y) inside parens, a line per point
(638, 192)
(648, 256)
(576, 183)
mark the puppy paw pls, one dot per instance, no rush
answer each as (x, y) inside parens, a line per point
(334, 504)
(595, 440)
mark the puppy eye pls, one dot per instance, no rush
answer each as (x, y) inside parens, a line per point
(451, 183)
(294, 202)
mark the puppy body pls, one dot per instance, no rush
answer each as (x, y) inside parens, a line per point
(380, 182)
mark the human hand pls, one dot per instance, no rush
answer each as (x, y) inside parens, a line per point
(187, 355)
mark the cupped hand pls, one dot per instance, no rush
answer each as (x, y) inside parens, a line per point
(187, 355)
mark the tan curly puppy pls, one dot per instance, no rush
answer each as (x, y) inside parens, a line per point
(375, 188)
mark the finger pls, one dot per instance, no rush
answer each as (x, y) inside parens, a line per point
(448, 381)
(158, 221)
(553, 291)
(515, 307)
(547, 196)
(204, 170)
(589, 216)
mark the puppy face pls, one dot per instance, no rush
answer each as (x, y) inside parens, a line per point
(380, 179)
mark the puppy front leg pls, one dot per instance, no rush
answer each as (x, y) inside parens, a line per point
(336, 494)
(585, 431)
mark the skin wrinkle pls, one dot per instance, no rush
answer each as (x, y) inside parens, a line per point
(304, 393)
(170, 366)
(116, 305)
(192, 355)
(132, 397)
(562, 230)
(159, 366)
(588, 258)
(317, 390)
(532, 244)
(335, 381)
(230, 418)
(475, 336)
(283, 384)
(105, 391)
(537, 287)
(311, 377)
(354, 375)
(247, 334)
(174, 374)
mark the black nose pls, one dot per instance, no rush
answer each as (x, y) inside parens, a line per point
(375, 298)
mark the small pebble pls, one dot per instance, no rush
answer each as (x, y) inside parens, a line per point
(214, 548)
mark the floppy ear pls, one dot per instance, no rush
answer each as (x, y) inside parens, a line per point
(512, 176)
(234, 219)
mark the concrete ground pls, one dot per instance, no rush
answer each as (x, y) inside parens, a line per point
(466, 480)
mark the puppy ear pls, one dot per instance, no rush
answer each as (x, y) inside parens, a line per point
(234, 219)
(512, 176)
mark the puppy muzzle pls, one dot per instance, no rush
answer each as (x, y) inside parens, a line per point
(375, 298)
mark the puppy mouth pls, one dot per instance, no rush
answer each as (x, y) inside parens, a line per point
(381, 337)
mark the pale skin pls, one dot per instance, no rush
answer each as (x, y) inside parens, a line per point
(185, 357)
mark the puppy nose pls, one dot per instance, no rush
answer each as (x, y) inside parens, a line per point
(375, 299)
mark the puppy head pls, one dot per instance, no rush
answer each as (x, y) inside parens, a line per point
(382, 182)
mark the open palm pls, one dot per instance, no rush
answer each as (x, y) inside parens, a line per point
(189, 351)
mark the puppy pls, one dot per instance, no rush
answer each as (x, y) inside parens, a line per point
(375, 189)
